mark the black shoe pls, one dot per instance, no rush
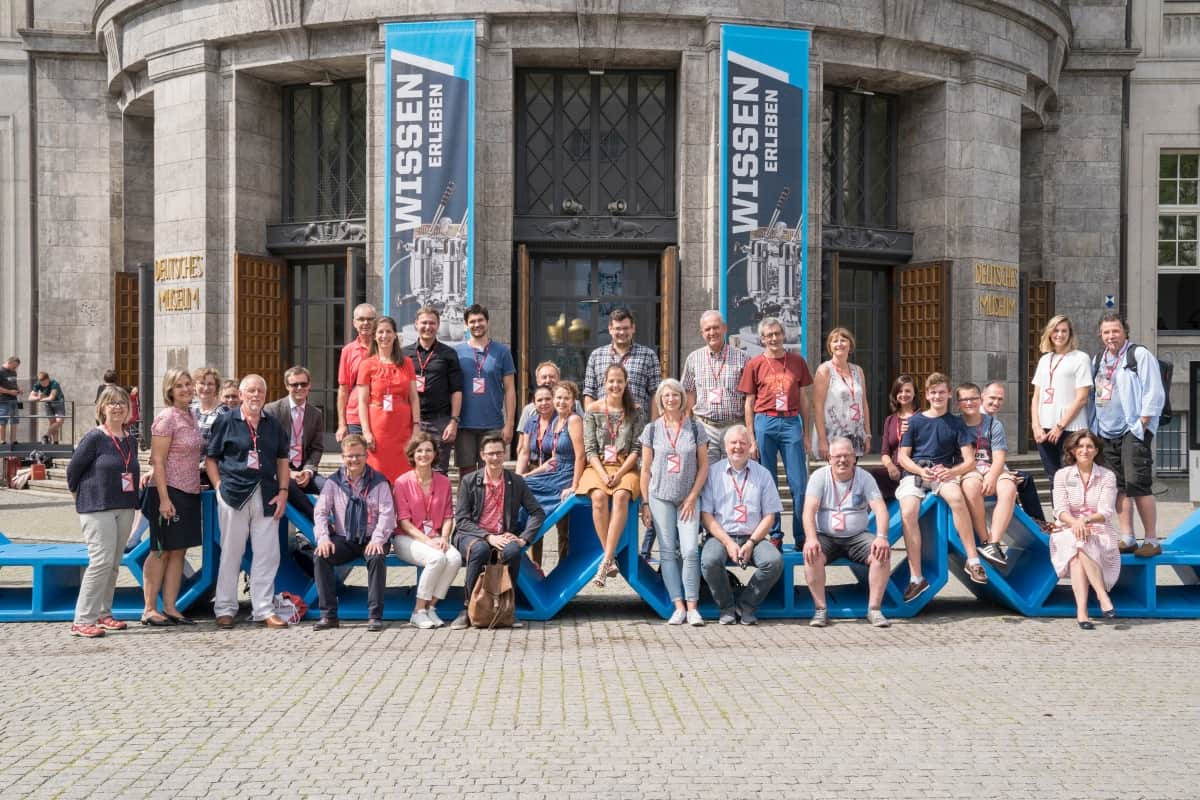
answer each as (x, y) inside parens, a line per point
(1087, 625)
(1110, 614)
(180, 620)
(994, 555)
(157, 622)
(374, 625)
(324, 623)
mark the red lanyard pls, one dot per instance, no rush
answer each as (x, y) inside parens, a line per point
(481, 360)
(427, 498)
(837, 503)
(610, 428)
(1052, 367)
(716, 373)
(979, 438)
(428, 358)
(298, 426)
(121, 452)
(253, 433)
(541, 438)
(1086, 484)
(779, 377)
(1108, 371)
(848, 381)
(739, 490)
(673, 440)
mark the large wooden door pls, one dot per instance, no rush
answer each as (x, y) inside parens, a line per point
(1039, 308)
(668, 336)
(261, 319)
(922, 319)
(125, 327)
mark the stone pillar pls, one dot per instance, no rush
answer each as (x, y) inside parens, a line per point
(491, 229)
(697, 189)
(193, 320)
(255, 145)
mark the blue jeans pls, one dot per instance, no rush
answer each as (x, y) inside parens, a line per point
(768, 565)
(676, 535)
(784, 436)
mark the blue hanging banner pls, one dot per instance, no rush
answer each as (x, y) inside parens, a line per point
(430, 161)
(764, 182)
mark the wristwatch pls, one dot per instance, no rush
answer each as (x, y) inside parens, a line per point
(455, 419)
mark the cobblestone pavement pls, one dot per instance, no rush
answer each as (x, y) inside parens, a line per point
(606, 701)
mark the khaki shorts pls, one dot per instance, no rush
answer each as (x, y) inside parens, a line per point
(908, 487)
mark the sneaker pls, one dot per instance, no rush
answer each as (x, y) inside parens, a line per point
(420, 619)
(915, 590)
(975, 572)
(374, 625)
(110, 624)
(820, 618)
(876, 618)
(461, 622)
(694, 619)
(87, 631)
(1127, 546)
(434, 618)
(992, 554)
(678, 618)
(728, 617)
(1148, 550)
(747, 616)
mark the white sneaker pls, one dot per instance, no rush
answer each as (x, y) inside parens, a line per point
(820, 618)
(420, 619)
(876, 618)
(678, 618)
(694, 619)
(461, 622)
(434, 618)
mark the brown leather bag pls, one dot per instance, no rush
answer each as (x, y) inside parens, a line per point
(493, 602)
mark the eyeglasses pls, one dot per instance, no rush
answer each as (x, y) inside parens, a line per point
(364, 319)
(772, 335)
(354, 456)
(494, 454)
(963, 400)
(117, 404)
(298, 385)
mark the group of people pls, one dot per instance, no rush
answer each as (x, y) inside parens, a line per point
(46, 391)
(702, 452)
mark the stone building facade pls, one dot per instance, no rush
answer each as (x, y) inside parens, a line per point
(966, 174)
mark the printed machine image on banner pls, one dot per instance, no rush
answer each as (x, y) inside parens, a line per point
(430, 161)
(764, 182)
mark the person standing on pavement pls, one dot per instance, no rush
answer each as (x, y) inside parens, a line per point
(353, 354)
(777, 414)
(103, 478)
(711, 375)
(10, 394)
(489, 506)
(1129, 399)
(305, 424)
(389, 406)
(173, 511)
(1061, 385)
(439, 379)
(246, 455)
(489, 403)
(355, 518)
(738, 506)
(837, 503)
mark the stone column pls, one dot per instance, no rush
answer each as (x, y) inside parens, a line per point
(194, 301)
(697, 189)
(491, 229)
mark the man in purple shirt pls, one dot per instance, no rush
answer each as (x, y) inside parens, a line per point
(354, 518)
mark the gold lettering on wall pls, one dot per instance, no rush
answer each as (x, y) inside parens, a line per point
(175, 268)
(998, 275)
(185, 299)
(995, 305)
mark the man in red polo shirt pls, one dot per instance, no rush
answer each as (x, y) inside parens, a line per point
(353, 355)
(777, 415)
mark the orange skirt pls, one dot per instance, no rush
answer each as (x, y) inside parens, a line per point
(630, 482)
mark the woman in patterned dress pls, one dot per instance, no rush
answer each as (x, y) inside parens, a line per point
(839, 397)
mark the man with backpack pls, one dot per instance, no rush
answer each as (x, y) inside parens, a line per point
(1129, 399)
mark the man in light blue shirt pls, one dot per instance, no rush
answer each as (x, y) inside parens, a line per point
(1128, 404)
(738, 507)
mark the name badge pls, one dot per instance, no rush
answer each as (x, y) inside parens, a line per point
(714, 396)
(1048, 396)
(552, 464)
(427, 527)
(855, 412)
(126, 481)
(838, 520)
(781, 402)
(294, 454)
(388, 403)
(421, 384)
(479, 385)
(674, 463)
(739, 513)
(610, 454)
(252, 459)
(1104, 391)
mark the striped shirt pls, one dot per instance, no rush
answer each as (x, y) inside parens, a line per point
(714, 377)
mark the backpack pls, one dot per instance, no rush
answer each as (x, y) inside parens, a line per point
(492, 602)
(1165, 370)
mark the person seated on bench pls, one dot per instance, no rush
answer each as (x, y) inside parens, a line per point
(990, 478)
(738, 506)
(1027, 492)
(836, 504)
(489, 504)
(935, 452)
(1085, 547)
(354, 519)
(424, 520)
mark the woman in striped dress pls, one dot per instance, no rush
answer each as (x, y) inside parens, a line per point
(1084, 547)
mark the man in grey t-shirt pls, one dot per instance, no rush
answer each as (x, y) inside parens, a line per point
(836, 506)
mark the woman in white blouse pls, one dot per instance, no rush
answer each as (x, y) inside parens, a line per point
(1061, 385)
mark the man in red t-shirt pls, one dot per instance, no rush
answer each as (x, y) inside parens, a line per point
(777, 415)
(353, 355)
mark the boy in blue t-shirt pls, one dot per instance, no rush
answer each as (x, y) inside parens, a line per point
(935, 453)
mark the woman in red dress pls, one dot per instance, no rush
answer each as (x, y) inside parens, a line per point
(387, 389)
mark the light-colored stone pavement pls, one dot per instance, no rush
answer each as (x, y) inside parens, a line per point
(606, 701)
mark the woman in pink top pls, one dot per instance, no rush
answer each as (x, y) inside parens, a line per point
(424, 520)
(173, 507)
(1084, 547)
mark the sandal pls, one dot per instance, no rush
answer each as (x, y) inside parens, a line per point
(612, 569)
(601, 575)
(156, 621)
(180, 619)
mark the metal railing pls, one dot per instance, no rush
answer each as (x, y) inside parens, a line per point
(1171, 447)
(31, 419)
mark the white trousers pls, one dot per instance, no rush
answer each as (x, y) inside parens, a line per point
(437, 568)
(237, 526)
